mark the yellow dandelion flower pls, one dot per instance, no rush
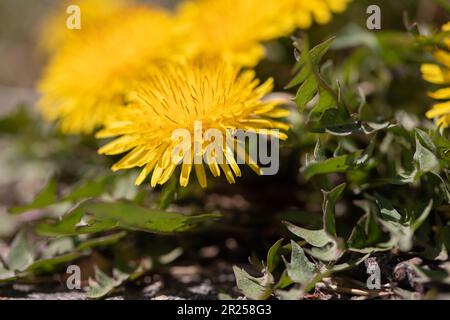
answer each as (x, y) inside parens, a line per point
(231, 28)
(302, 13)
(195, 96)
(91, 75)
(440, 74)
(235, 29)
(93, 12)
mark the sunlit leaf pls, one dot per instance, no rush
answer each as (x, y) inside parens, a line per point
(300, 269)
(253, 287)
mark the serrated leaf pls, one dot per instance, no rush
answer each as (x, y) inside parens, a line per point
(309, 79)
(313, 57)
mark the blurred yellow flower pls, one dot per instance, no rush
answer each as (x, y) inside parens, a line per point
(440, 74)
(91, 75)
(231, 28)
(195, 96)
(302, 13)
(93, 12)
(235, 29)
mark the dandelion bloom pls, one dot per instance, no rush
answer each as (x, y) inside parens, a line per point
(302, 13)
(92, 13)
(235, 29)
(179, 95)
(440, 75)
(91, 75)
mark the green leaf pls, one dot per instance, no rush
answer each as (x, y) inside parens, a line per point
(58, 247)
(300, 269)
(21, 254)
(274, 256)
(425, 159)
(46, 197)
(313, 57)
(317, 238)
(66, 226)
(253, 287)
(326, 245)
(425, 140)
(332, 165)
(89, 189)
(306, 92)
(349, 265)
(319, 152)
(309, 79)
(337, 122)
(387, 210)
(331, 252)
(132, 217)
(330, 199)
(50, 264)
(401, 229)
(91, 217)
(326, 101)
(419, 219)
(103, 284)
(366, 232)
